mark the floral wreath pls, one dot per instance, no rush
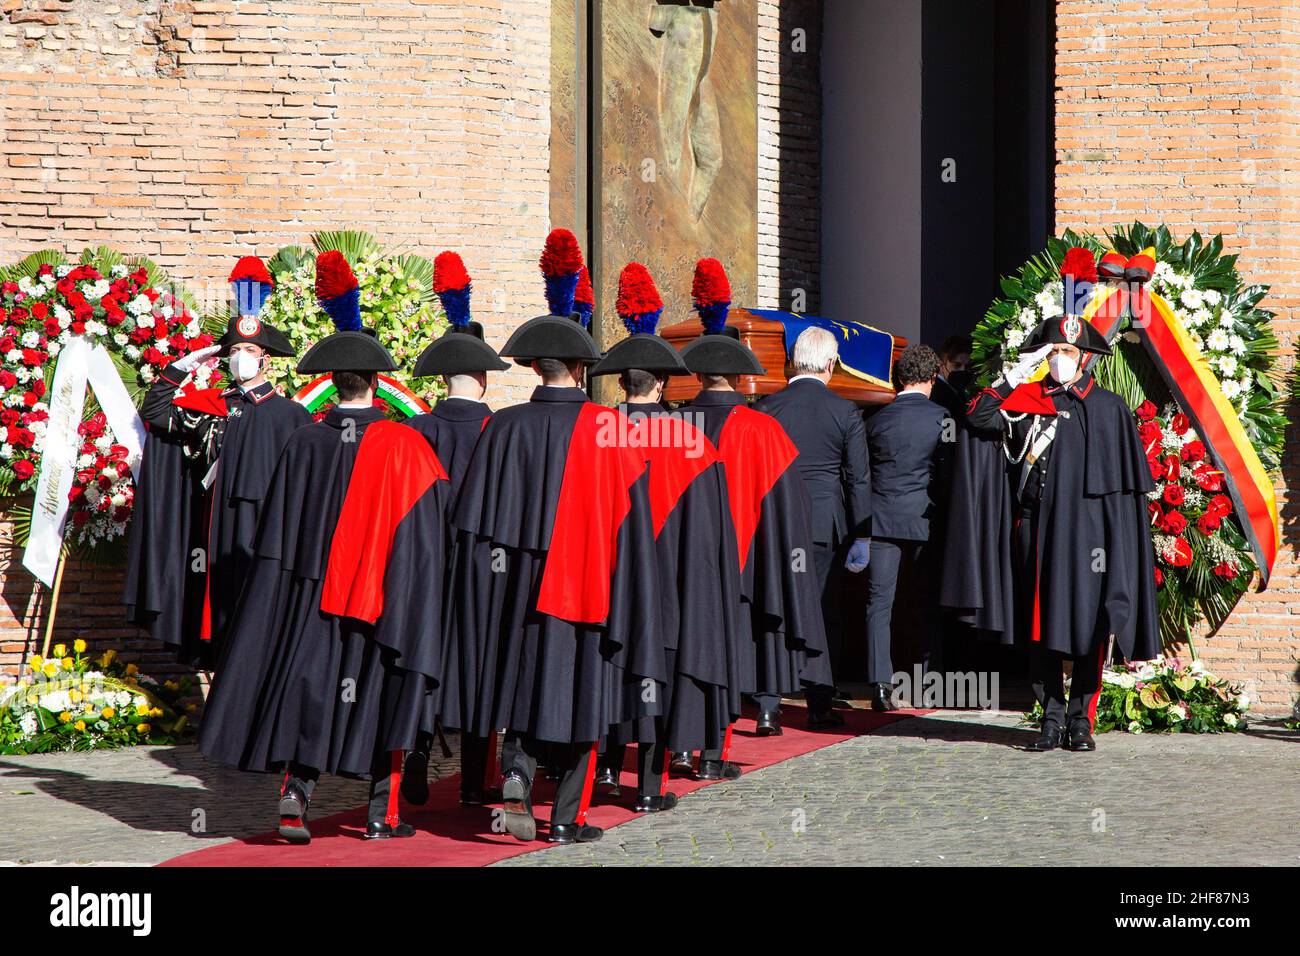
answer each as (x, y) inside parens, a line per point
(126, 305)
(397, 301)
(1203, 561)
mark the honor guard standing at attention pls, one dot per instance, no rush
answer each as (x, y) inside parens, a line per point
(462, 359)
(229, 441)
(338, 637)
(1049, 503)
(554, 588)
(699, 573)
(787, 649)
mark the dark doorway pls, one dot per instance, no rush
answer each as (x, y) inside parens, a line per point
(986, 120)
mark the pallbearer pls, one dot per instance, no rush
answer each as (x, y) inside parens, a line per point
(1049, 500)
(699, 572)
(770, 510)
(226, 441)
(555, 589)
(337, 639)
(463, 360)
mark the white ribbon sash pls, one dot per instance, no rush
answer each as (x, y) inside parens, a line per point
(79, 364)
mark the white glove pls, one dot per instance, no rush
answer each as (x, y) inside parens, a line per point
(1018, 373)
(859, 555)
(196, 358)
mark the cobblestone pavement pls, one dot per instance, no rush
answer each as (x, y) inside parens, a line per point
(955, 789)
(947, 789)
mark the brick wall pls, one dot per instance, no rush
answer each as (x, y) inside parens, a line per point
(194, 132)
(1183, 111)
(789, 152)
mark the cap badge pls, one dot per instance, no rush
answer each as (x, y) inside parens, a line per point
(1071, 328)
(248, 326)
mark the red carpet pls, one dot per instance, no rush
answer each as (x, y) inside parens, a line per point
(451, 835)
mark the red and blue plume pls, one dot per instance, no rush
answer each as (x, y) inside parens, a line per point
(452, 286)
(561, 265)
(1079, 276)
(584, 298)
(711, 295)
(251, 284)
(638, 302)
(337, 290)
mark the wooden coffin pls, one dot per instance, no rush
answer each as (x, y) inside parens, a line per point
(766, 338)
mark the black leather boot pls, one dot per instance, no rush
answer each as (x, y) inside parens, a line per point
(882, 698)
(293, 814)
(1051, 738)
(1080, 737)
(717, 770)
(655, 804)
(518, 805)
(574, 833)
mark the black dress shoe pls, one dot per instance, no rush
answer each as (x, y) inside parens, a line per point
(380, 830)
(607, 781)
(682, 763)
(717, 770)
(574, 833)
(518, 807)
(646, 804)
(415, 778)
(824, 720)
(882, 699)
(481, 797)
(768, 724)
(293, 815)
(1051, 738)
(1081, 739)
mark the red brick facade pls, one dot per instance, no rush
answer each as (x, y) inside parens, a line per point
(1183, 112)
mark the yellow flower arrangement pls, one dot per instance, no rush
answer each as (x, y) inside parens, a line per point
(65, 717)
(79, 646)
(49, 669)
(80, 725)
(109, 713)
(60, 650)
(36, 663)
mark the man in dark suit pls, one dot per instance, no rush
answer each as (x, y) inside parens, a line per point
(829, 434)
(907, 446)
(954, 375)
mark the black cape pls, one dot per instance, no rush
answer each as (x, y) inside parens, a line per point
(554, 679)
(781, 598)
(452, 428)
(163, 591)
(242, 449)
(699, 595)
(1008, 552)
(297, 684)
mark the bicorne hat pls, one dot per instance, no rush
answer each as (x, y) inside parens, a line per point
(461, 348)
(1067, 330)
(352, 348)
(639, 306)
(561, 334)
(250, 287)
(719, 350)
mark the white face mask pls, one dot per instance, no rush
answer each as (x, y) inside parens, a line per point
(243, 366)
(1063, 367)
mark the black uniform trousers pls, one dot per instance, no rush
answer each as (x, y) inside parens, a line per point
(889, 558)
(1046, 668)
(381, 770)
(828, 560)
(576, 763)
(1046, 673)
